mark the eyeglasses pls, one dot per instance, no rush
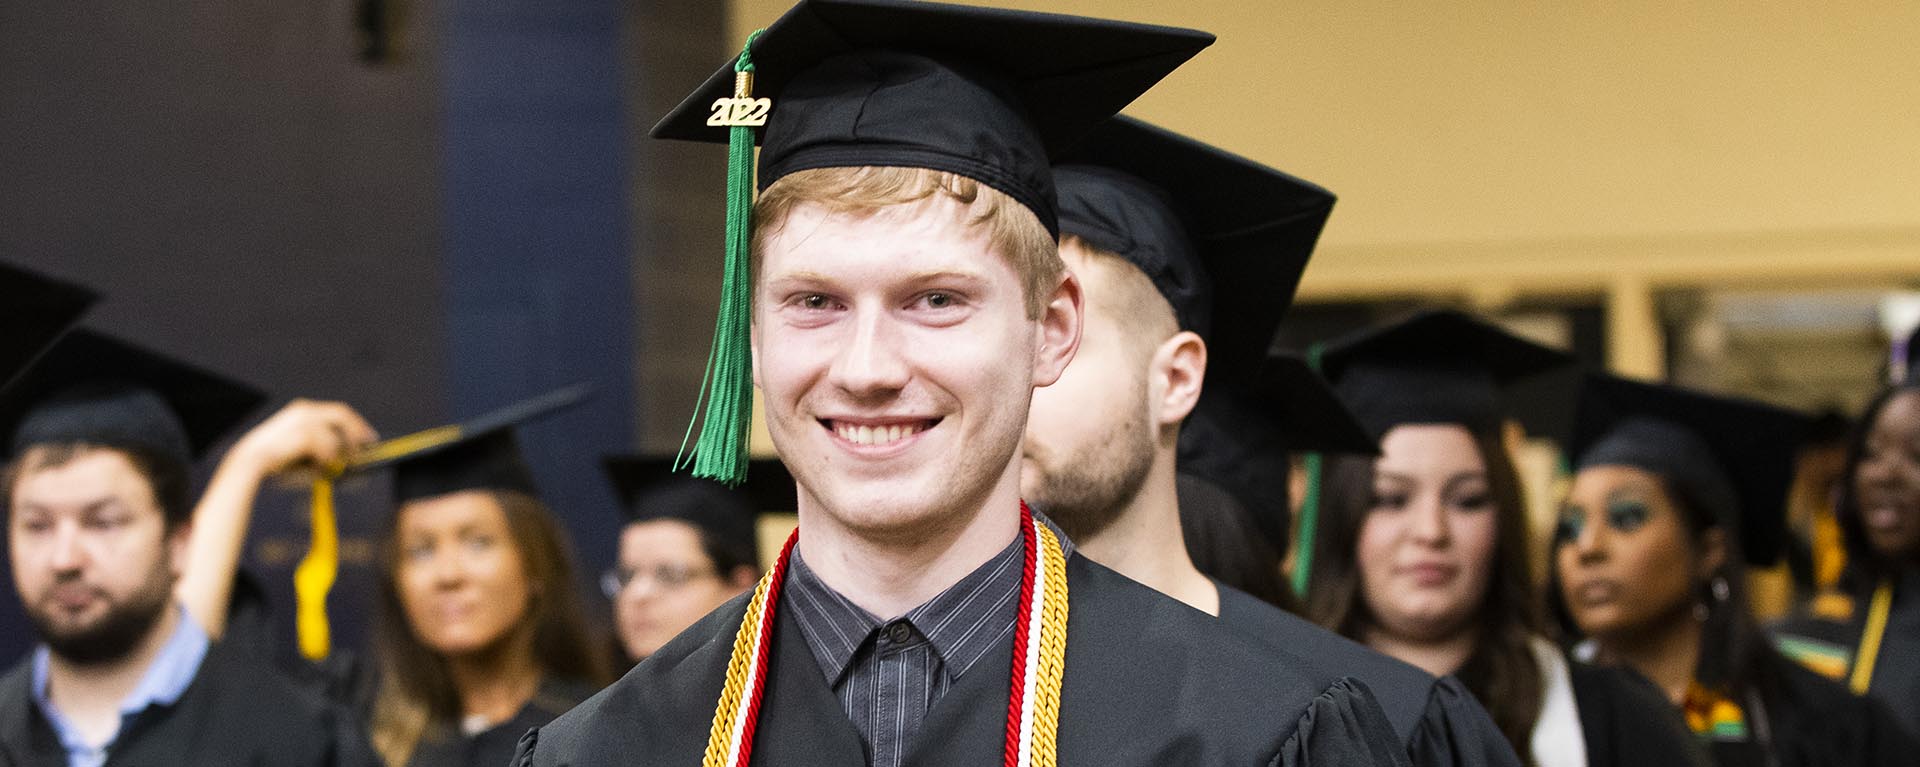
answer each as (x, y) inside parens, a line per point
(666, 577)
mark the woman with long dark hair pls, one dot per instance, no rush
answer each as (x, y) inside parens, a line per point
(1866, 633)
(1421, 552)
(1674, 493)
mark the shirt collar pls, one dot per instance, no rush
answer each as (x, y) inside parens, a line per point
(962, 623)
(834, 627)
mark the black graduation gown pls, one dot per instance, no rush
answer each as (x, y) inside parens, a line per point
(1816, 722)
(1437, 719)
(1627, 722)
(234, 712)
(1896, 668)
(1149, 681)
(493, 747)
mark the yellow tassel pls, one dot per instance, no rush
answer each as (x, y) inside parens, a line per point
(314, 577)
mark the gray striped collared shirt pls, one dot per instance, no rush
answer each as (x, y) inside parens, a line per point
(887, 673)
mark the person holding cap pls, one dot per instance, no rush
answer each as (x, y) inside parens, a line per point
(688, 546)
(480, 634)
(1421, 553)
(1674, 493)
(1189, 256)
(905, 297)
(101, 438)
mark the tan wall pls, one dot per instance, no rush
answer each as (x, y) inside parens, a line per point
(1493, 148)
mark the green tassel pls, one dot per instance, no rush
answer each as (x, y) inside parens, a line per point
(1309, 504)
(721, 453)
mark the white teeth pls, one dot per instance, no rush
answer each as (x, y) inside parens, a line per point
(875, 435)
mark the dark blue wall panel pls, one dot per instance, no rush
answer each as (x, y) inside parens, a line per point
(536, 248)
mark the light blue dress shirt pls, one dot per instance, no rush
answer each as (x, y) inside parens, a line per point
(163, 684)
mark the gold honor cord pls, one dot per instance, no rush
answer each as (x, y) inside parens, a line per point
(314, 576)
(1869, 651)
(1042, 746)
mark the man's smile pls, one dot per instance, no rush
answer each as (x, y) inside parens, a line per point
(878, 432)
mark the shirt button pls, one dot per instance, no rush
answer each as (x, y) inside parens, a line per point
(899, 633)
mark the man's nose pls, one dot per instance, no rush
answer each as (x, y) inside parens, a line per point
(872, 362)
(69, 550)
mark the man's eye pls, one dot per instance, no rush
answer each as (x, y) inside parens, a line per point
(815, 301)
(939, 300)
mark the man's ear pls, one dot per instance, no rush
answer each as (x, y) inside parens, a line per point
(1177, 370)
(1060, 324)
(177, 541)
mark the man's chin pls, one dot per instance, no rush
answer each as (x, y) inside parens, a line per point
(888, 511)
(104, 639)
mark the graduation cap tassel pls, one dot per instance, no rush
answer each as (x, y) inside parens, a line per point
(314, 576)
(1309, 503)
(727, 387)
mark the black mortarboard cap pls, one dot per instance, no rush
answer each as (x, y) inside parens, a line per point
(92, 388)
(986, 93)
(1436, 367)
(1223, 238)
(1732, 457)
(479, 454)
(1244, 442)
(34, 310)
(1309, 415)
(650, 489)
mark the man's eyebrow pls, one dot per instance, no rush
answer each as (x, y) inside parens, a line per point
(945, 274)
(89, 507)
(798, 276)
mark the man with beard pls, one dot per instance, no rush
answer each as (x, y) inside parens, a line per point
(1184, 252)
(906, 296)
(101, 439)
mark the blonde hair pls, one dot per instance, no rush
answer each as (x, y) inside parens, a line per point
(1013, 231)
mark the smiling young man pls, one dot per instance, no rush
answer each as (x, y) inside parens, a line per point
(101, 439)
(907, 299)
(1165, 255)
